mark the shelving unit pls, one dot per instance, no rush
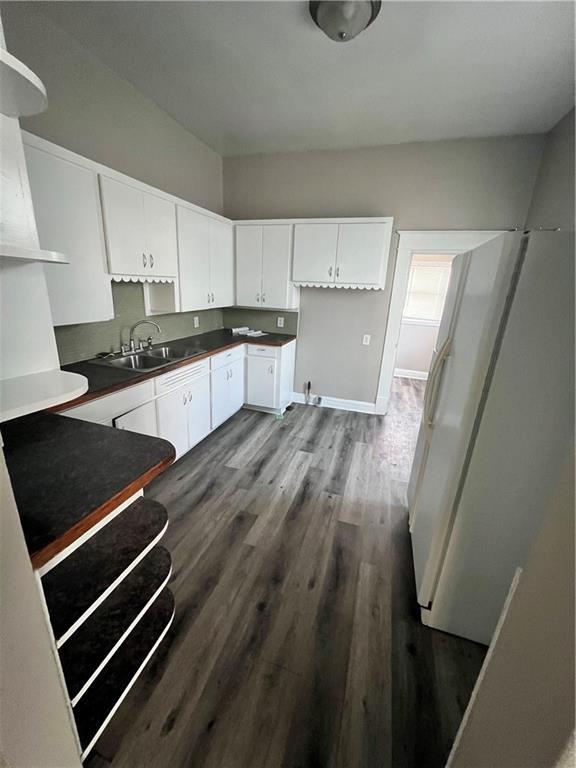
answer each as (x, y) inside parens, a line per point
(92, 645)
(76, 586)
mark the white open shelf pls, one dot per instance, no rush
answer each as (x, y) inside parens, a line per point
(22, 93)
(36, 391)
(10, 251)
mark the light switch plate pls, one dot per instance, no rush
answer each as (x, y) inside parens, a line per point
(366, 339)
(280, 322)
(196, 321)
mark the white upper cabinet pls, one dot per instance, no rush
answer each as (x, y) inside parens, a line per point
(67, 210)
(361, 256)
(123, 212)
(221, 263)
(277, 289)
(160, 227)
(194, 259)
(140, 231)
(315, 252)
(206, 261)
(342, 254)
(248, 265)
(263, 265)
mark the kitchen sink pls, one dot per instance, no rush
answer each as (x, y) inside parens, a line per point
(149, 359)
(170, 353)
(138, 362)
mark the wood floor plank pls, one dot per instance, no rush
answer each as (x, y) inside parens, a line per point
(314, 734)
(366, 729)
(297, 641)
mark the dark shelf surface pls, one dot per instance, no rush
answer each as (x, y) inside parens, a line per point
(74, 585)
(103, 380)
(68, 474)
(99, 700)
(90, 644)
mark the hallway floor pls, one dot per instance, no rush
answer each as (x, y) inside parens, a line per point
(297, 641)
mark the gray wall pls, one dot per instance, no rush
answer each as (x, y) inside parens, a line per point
(260, 319)
(464, 184)
(553, 201)
(94, 112)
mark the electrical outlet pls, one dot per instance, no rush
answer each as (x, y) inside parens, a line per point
(196, 321)
(366, 340)
(280, 322)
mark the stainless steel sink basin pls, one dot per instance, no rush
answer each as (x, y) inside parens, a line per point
(171, 353)
(136, 362)
(149, 359)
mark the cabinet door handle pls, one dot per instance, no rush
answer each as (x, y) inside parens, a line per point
(151, 260)
(212, 298)
(190, 397)
(257, 297)
(184, 398)
(330, 272)
(208, 298)
(271, 369)
(144, 260)
(263, 298)
(337, 271)
(231, 373)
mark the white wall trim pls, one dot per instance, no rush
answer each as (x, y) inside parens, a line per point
(360, 406)
(406, 373)
(410, 242)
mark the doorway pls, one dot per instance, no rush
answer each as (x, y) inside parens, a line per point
(425, 296)
(416, 247)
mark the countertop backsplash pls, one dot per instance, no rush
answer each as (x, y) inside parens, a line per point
(82, 342)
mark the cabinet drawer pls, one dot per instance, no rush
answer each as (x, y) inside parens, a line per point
(226, 357)
(106, 408)
(263, 351)
(181, 376)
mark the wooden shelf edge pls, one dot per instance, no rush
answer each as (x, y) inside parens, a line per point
(36, 391)
(43, 556)
(22, 93)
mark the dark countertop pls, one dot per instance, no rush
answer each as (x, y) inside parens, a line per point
(67, 475)
(104, 379)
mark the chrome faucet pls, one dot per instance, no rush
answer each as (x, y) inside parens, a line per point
(142, 322)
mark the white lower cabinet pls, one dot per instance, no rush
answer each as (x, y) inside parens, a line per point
(261, 381)
(227, 391)
(183, 405)
(172, 413)
(270, 376)
(184, 415)
(141, 419)
(199, 424)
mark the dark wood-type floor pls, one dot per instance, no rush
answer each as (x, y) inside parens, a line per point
(297, 641)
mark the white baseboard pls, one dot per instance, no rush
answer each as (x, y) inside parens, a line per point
(406, 373)
(360, 406)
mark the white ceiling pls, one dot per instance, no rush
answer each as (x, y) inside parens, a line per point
(251, 77)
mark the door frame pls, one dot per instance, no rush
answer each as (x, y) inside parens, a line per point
(410, 242)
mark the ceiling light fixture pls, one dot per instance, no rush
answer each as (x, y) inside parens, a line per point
(343, 20)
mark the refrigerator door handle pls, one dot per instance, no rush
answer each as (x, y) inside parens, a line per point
(433, 385)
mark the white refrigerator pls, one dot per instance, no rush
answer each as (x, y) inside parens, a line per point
(497, 425)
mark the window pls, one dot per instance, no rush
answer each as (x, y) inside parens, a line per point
(427, 287)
